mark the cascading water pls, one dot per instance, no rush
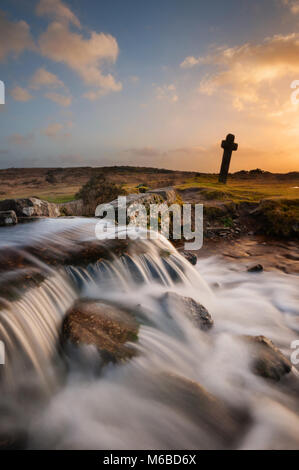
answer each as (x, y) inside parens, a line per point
(185, 389)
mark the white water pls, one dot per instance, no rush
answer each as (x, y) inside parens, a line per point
(135, 406)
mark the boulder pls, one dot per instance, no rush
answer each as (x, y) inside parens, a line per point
(72, 208)
(196, 312)
(266, 359)
(169, 194)
(30, 207)
(103, 325)
(8, 218)
(155, 196)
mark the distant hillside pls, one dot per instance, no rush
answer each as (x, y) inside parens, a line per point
(61, 184)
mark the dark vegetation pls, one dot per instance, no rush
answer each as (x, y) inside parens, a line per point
(98, 191)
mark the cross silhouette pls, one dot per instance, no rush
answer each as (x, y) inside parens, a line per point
(228, 146)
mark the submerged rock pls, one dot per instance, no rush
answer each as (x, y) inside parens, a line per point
(218, 424)
(267, 360)
(103, 325)
(8, 218)
(191, 257)
(196, 312)
(257, 268)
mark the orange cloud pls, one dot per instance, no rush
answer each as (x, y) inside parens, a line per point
(62, 100)
(44, 78)
(167, 92)
(58, 10)
(250, 72)
(15, 37)
(20, 94)
(293, 5)
(84, 56)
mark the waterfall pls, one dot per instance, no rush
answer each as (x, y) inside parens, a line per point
(152, 400)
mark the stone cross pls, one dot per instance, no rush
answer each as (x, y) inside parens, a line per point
(228, 146)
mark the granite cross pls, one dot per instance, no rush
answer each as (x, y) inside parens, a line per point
(228, 146)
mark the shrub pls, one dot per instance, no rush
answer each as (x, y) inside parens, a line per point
(280, 217)
(98, 191)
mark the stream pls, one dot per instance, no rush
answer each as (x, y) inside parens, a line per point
(53, 400)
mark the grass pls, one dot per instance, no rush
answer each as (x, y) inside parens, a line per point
(242, 190)
(59, 199)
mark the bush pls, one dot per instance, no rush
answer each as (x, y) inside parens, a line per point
(280, 217)
(98, 191)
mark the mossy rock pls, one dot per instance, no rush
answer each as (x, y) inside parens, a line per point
(104, 326)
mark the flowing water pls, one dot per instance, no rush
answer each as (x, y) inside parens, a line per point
(60, 402)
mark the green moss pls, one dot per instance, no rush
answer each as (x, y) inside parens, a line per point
(227, 222)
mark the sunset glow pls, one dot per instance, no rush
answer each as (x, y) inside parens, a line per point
(149, 85)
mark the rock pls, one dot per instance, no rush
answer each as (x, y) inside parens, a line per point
(30, 207)
(267, 360)
(196, 312)
(72, 208)
(8, 218)
(103, 325)
(155, 196)
(168, 194)
(191, 257)
(257, 268)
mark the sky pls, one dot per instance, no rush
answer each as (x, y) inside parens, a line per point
(149, 83)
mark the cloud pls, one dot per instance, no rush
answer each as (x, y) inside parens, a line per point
(44, 78)
(190, 62)
(19, 139)
(52, 130)
(58, 10)
(20, 94)
(83, 55)
(250, 72)
(57, 130)
(62, 100)
(167, 92)
(293, 5)
(15, 37)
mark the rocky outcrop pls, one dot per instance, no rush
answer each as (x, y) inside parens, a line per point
(106, 327)
(30, 207)
(8, 218)
(157, 196)
(73, 208)
(196, 312)
(169, 194)
(266, 359)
